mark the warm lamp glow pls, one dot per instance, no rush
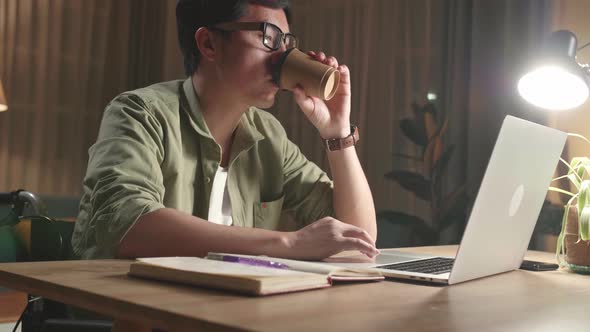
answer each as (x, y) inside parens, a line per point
(553, 88)
(3, 103)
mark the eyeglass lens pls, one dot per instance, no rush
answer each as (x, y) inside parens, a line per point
(273, 37)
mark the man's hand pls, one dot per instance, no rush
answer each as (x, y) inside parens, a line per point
(327, 237)
(332, 117)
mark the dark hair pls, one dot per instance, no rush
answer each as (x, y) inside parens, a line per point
(193, 14)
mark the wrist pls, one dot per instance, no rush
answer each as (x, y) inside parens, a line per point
(350, 139)
(284, 244)
(339, 132)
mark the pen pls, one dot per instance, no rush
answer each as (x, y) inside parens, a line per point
(247, 260)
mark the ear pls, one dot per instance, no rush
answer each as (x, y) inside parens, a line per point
(206, 43)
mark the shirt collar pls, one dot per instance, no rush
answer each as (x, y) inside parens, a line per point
(194, 111)
(246, 134)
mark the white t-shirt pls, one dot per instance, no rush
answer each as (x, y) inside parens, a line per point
(219, 202)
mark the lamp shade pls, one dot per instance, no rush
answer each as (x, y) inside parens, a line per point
(3, 103)
(555, 80)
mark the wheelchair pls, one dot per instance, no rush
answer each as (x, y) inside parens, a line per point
(33, 236)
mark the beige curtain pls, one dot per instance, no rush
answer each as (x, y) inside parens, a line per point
(505, 35)
(61, 61)
(398, 52)
(468, 52)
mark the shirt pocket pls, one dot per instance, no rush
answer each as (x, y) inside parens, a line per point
(267, 215)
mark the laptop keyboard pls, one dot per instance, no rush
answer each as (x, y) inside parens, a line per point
(436, 265)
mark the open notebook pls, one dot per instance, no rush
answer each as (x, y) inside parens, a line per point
(247, 278)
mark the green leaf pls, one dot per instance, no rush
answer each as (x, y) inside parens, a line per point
(565, 162)
(569, 166)
(413, 131)
(574, 179)
(583, 195)
(584, 167)
(584, 224)
(560, 191)
(413, 182)
(573, 170)
(560, 177)
(580, 166)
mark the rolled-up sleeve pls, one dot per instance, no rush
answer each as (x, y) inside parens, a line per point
(308, 189)
(124, 180)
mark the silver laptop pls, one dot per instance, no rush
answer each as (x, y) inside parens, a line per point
(503, 216)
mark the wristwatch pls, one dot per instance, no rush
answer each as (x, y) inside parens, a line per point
(343, 143)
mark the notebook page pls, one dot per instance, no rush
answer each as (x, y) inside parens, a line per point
(196, 264)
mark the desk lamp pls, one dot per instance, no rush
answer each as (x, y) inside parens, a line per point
(556, 81)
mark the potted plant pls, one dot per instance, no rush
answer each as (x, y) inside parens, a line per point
(426, 129)
(573, 242)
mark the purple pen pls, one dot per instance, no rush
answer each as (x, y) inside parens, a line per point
(247, 261)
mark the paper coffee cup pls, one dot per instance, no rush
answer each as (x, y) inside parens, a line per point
(317, 79)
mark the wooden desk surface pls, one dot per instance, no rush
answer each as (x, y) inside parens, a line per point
(514, 301)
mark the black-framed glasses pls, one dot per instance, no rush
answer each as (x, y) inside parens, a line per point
(272, 35)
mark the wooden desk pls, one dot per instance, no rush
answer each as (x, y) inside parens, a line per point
(515, 301)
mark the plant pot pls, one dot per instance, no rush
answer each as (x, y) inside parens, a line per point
(577, 252)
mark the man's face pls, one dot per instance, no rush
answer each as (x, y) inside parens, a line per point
(245, 63)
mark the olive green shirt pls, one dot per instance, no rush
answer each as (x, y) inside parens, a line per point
(154, 150)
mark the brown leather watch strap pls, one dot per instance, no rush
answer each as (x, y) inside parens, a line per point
(343, 143)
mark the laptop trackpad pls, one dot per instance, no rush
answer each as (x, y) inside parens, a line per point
(383, 259)
(386, 257)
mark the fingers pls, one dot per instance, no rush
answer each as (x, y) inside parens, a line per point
(353, 243)
(358, 233)
(322, 57)
(344, 74)
(344, 236)
(333, 62)
(305, 102)
(361, 239)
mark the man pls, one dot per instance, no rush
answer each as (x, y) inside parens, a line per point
(182, 168)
